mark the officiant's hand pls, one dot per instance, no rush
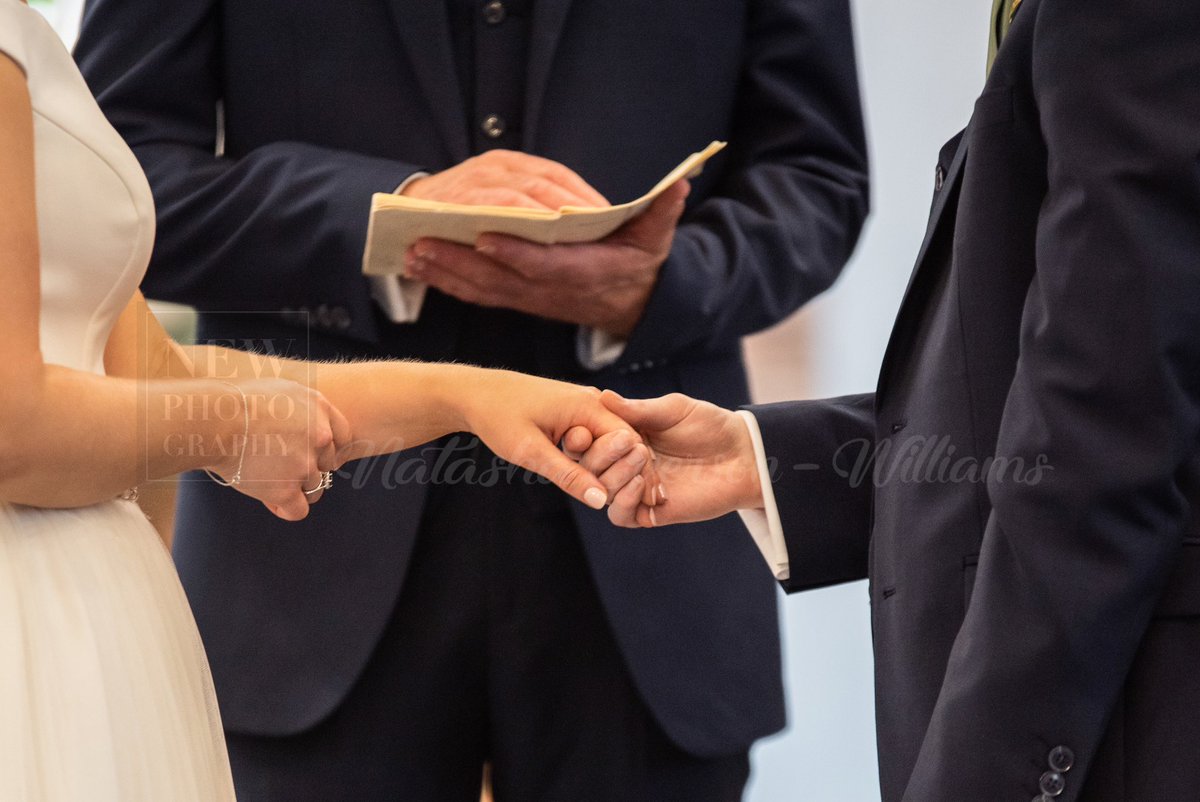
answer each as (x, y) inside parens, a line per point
(604, 284)
(705, 460)
(507, 178)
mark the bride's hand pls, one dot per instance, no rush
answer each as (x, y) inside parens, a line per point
(523, 418)
(294, 435)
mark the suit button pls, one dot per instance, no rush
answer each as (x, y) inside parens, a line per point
(1052, 783)
(341, 318)
(324, 319)
(635, 367)
(1061, 759)
(493, 126)
(939, 179)
(494, 12)
(898, 426)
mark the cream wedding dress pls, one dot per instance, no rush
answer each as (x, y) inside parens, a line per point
(105, 694)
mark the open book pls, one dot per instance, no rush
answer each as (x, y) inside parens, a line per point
(397, 222)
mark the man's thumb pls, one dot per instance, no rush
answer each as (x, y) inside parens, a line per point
(655, 414)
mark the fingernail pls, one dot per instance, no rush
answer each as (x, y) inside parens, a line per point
(620, 442)
(486, 248)
(662, 492)
(653, 518)
(595, 498)
(423, 252)
(418, 267)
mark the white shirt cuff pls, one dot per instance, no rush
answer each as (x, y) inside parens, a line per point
(764, 525)
(400, 298)
(598, 349)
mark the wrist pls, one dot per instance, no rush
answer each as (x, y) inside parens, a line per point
(621, 322)
(452, 393)
(749, 470)
(228, 422)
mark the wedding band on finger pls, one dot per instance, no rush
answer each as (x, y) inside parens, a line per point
(325, 483)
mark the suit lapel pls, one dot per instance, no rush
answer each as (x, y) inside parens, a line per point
(549, 16)
(949, 185)
(425, 31)
(937, 215)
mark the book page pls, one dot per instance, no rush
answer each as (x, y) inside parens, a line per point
(397, 222)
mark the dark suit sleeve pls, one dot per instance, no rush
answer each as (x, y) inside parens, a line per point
(819, 452)
(281, 226)
(1107, 388)
(786, 217)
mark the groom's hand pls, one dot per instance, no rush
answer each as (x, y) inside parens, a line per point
(704, 459)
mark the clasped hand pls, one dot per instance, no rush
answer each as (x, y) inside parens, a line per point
(654, 462)
(704, 462)
(295, 434)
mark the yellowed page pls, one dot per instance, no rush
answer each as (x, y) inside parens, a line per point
(397, 222)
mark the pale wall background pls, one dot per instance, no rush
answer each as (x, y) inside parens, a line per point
(922, 64)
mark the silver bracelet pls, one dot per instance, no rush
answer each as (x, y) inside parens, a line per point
(236, 479)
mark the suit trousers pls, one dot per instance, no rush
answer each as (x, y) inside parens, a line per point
(498, 650)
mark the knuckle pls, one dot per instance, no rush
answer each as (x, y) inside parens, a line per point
(491, 170)
(637, 456)
(430, 249)
(544, 187)
(557, 170)
(510, 196)
(323, 437)
(570, 475)
(471, 295)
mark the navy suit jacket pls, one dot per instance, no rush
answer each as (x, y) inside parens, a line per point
(1029, 524)
(313, 107)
